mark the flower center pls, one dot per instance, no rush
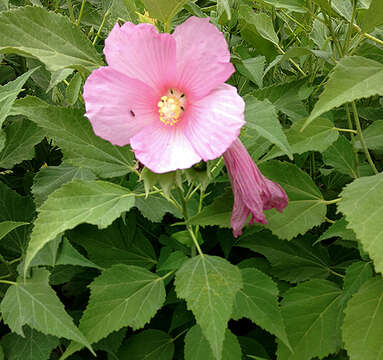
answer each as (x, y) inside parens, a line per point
(171, 107)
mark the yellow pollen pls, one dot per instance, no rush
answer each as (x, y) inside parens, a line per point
(170, 109)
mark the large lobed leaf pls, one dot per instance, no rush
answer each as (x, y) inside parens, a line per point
(123, 295)
(74, 135)
(33, 302)
(258, 301)
(306, 207)
(354, 77)
(50, 37)
(362, 205)
(209, 285)
(311, 312)
(93, 202)
(363, 323)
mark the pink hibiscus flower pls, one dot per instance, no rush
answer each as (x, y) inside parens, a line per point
(253, 192)
(165, 94)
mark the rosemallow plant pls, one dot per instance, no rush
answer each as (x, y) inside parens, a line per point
(253, 192)
(165, 94)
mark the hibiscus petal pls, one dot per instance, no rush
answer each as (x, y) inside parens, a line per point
(117, 106)
(212, 124)
(203, 58)
(163, 148)
(278, 198)
(140, 52)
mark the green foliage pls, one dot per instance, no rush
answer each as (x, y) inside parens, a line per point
(33, 346)
(146, 264)
(163, 10)
(262, 117)
(209, 285)
(258, 301)
(362, 326)
(73, 132)
(148, 344)
(51, 38)
(100, 204)
(197, 347)
(121, 296)
(354, 77)
(362, 202)
(306, 207)
(34, 303)
(312, 333)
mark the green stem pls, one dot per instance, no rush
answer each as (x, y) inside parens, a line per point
(330, 202)
(349, 121)
(188, 227)
(333, 35)
(8, 282)
(329, 220)
(291, 60)
(101, 27)
(81, 12)
(293, 20)
(368, 36)
(345, 130)
(349, 30)
(191, 232)
(361, 138)
(335, 273)
(70, 9)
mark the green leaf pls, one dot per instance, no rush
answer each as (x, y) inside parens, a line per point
(8, 95)
(149, 345)
(51, 178)
(249, 24)
(93, 202)
(14, 207)
(197, 347)
(312, 333)
(292, 5)
(163, 10)
(306, 207)
(74, 135)
(373, 135)
(33, 346)
(121, 296)
(264, 25)
(68, 255)
(252, 69)
(338, 229)
(354, 77)
(217, 213)
(154, 207)
(21, 137)
(110, 246)
(362, 205)
(293, 261)
(286, 98)
(209, 285)
(226, 5)
(318, 136)
(7, 226)
(72, 92)
(33, 302)
(340, 155)
(363, 323)
(262, 117)
(258, 301)
(372, 17)
(356, 275)
(50, 37)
